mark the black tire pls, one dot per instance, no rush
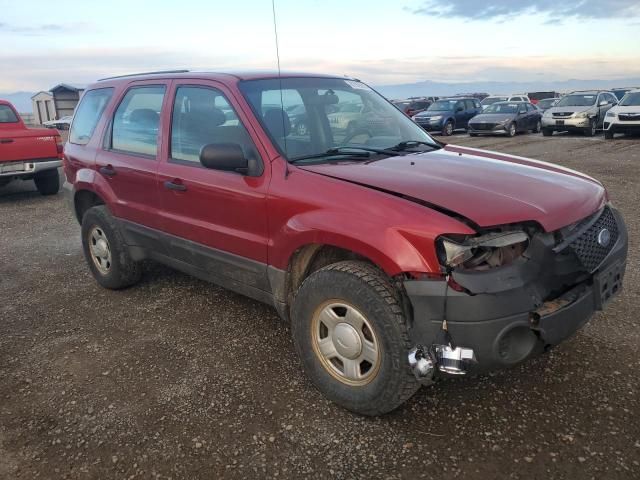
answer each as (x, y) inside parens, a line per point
(366, 288)
(447, 130)
(473, 134)
(608, 134)
(547, 132)
(590, 131)
(538, 127)
(123, 271)
(512, 130)
(47, 182)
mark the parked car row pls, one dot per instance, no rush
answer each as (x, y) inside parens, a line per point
(581, 111)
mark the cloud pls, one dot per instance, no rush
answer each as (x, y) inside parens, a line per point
(43, 29)
(555, 10)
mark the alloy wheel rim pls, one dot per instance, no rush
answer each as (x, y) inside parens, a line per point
(345, 343)
(100, 250)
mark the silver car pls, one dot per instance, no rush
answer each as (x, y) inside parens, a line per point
(578, 111)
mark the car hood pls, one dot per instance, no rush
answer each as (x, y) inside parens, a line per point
(433, 113)
(626, 109)
(569, 109)
(485, 187)
(492, 117)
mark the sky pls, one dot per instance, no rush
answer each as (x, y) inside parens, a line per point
(380, 42)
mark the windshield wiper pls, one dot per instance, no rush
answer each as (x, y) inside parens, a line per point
(353, 152)
(403, 146)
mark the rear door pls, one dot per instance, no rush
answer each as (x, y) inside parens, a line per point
(128, 160)
(216, 219)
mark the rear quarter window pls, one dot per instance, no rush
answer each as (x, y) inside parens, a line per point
(7, 115)
(88, 114)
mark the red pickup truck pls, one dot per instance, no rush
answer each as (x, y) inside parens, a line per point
(28, 153)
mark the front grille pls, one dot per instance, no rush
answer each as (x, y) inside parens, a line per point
(483, 126)
(588, 246)
(630, 117)
(562, 114)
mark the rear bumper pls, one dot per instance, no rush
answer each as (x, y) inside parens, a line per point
(506, 325)
(28, 168)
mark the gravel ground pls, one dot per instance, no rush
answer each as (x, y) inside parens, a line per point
(176, 378)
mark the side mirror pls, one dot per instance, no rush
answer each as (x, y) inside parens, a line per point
(603, 103)
(228, 157)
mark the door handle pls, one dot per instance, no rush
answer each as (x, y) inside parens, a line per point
(6, 140)
(107, 171)
(176, 185)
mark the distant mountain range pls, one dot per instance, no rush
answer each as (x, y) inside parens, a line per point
(440, 89)
(22, 100)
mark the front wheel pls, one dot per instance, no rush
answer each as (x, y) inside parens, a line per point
(47, 182)
(608, 134)
(351, 334)
(511, 130)
(447, 130)
(590, 131)
(547, 132)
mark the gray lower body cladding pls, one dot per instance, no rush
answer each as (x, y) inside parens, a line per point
(509, 314)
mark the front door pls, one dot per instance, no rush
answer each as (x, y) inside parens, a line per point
(216, 220)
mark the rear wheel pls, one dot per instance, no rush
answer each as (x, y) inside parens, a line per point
(547, 132)
(447, 130)
(538, 127)
(351, 334)
(47, 182)
(106, 252)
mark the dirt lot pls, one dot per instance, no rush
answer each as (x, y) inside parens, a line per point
(176, 378)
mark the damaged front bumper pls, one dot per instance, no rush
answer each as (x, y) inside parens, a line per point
(508, 314)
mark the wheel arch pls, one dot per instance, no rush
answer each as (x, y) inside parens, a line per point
(83, 200)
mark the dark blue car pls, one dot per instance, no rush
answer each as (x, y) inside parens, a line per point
(449, 114)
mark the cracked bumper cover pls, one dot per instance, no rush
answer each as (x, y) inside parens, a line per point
(510, 318)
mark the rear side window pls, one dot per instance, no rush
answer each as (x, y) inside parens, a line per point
(7, 115)
(88, 114)
(469, 104)
(137, 120)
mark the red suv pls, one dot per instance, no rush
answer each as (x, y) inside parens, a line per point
(395, 258)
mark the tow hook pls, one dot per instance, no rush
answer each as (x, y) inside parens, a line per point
(453, 361)
(422, 364)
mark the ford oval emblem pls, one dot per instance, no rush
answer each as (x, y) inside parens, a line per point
(604, 237)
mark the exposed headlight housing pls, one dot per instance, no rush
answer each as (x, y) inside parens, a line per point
(483, 252)
(611, 114)
(437, 117)
(581, 115)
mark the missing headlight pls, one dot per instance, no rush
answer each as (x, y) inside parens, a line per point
(484, 252)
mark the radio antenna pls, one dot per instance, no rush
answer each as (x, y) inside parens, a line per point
(275, 32)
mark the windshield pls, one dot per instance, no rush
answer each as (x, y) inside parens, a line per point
(7, 115)
(492, 100)
(334, 113)
(546, 103)
(630, 100)
(502, 108)
(577, 101)
(443, 106)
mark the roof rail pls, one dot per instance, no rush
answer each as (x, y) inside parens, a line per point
(159, 72)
